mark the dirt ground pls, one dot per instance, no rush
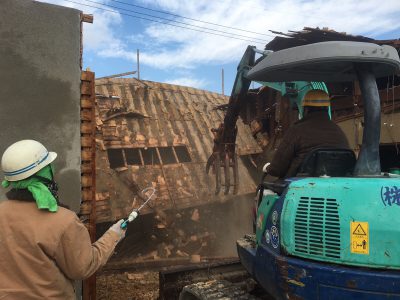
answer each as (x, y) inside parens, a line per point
(127, 286)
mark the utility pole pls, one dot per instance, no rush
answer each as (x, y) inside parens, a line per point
(138, 65)
(222, 74)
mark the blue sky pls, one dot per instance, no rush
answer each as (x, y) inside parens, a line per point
(180, 56)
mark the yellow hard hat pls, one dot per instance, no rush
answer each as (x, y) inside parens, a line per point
(317, 98)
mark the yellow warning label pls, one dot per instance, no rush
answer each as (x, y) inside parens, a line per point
(359, 237)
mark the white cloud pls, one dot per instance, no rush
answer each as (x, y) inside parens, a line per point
(101, 34)
(188, 81)
(193, 48)
(165, 47)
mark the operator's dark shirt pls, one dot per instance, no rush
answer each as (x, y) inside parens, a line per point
(314, 131)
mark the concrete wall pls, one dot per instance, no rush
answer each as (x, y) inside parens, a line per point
(40, 85)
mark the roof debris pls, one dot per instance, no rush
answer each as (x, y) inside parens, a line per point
(315, 35)
(156, 134)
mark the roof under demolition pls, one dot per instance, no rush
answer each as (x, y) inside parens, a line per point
(345, 98)
(315, 35)
(156, 134)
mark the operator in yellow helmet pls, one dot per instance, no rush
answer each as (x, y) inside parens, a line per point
(315, 130)
(43, 247)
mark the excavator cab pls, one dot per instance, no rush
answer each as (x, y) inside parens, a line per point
(332, 231)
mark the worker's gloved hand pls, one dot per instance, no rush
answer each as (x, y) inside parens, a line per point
(118, 230)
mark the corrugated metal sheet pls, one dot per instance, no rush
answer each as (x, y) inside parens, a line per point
(151, 115)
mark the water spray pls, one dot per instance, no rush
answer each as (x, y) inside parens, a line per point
(133, 215)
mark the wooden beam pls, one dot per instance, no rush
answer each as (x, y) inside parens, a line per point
(117, 75)
(87, 18)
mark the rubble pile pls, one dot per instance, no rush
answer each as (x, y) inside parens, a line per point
(190, 235)
(127, 285)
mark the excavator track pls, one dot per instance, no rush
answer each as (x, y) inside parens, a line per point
(216, 289)
(216, 280)
(174, 279)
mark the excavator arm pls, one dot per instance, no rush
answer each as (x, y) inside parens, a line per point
(224, 154)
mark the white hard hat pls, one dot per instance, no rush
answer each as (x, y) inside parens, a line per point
(24, 158)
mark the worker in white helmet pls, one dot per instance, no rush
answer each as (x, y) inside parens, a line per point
(43, 247)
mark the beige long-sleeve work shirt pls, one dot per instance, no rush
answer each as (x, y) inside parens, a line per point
(42, 253)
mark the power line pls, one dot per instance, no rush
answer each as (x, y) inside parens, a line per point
(187, 18)
(165, 23)
(178, 22)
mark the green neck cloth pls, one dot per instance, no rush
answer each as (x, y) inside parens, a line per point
(44, 198)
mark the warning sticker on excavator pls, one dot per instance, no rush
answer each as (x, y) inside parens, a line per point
(359, 237)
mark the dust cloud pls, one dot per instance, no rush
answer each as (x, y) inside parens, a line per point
(188, 235)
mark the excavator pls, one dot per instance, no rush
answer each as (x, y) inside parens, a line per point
(331, 231)
(224, 156)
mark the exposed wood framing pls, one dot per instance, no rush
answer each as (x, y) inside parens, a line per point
(88, 167)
